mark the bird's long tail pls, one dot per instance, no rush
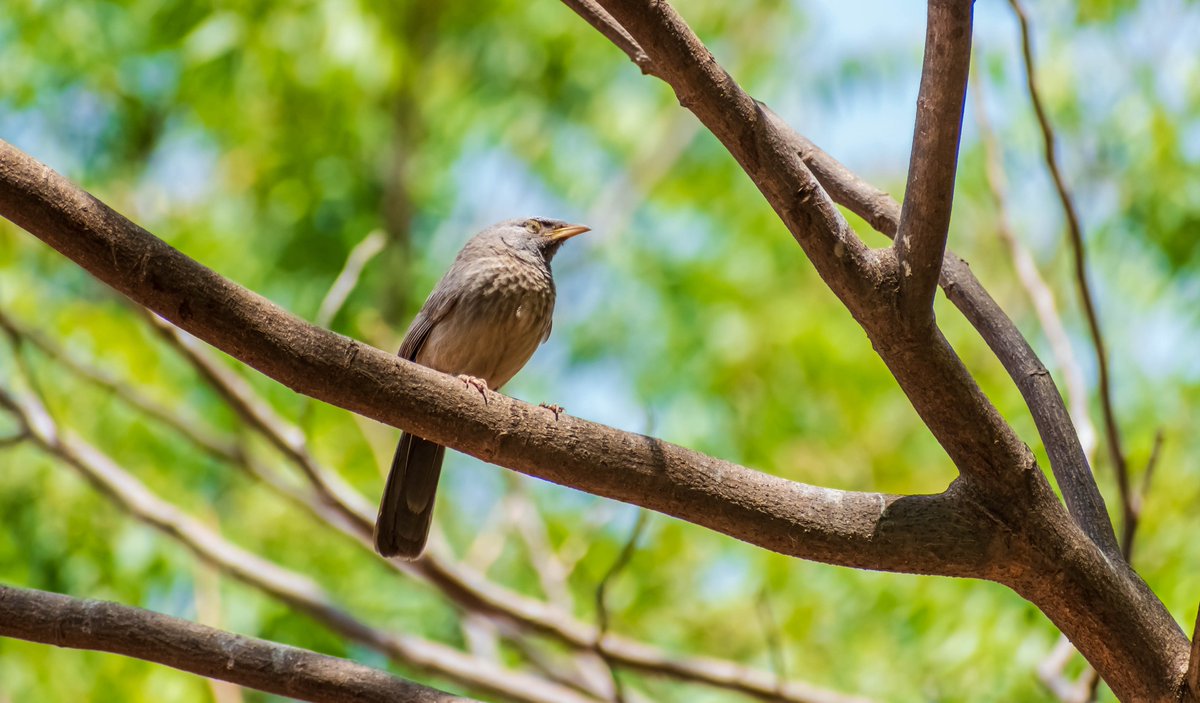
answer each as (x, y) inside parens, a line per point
(407, 506)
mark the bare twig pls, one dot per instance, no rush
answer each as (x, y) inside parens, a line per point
(462, 585)
(603, 22)
(190, 428)
(1148, 472)
(298, 591)
(62, 621)
(552, 573)
(1193, 671)
(1036, 287)
(347, 280)
(1052, 674)
(925, 215)
(1079, 256)
(771, 633)
(259, 415)
(492, 536)
(602, 613)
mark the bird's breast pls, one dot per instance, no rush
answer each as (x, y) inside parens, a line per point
(503, 313)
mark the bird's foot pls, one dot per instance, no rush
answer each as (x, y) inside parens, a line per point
(477, 383)
(554, 408)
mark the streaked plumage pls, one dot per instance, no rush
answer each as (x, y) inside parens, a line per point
(484, 319)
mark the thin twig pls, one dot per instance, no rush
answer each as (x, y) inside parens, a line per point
(464, 587)
(259, 415)
(602, 613)
(773, 635)
(474, 592)
(1052, 673)
(298, 591)
(1035, 285)
(192, 429)
(1079, 257)
(603, 22)
(1193, 671)
(347, 280)
(1148, 472)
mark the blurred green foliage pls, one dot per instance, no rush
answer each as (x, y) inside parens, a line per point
(267, 139)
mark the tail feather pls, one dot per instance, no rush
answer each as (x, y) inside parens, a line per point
(406, 510)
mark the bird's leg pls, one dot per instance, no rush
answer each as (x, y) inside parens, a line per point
(477, 383)
(554, 408)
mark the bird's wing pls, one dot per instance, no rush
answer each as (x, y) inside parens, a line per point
(437, 306)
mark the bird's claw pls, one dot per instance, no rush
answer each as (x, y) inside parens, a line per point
(554, 408)
(477, 383)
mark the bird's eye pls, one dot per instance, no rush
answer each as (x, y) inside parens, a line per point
(533, 226)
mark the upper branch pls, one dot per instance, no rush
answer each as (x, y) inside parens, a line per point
(63, 621)
(925, 534)
(929, 195)
(1068, 460)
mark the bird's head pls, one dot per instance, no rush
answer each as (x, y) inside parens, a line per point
(537, 235)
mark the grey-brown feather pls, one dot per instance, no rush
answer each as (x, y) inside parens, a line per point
(484, 319)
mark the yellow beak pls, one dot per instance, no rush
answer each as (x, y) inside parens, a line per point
(563, 233)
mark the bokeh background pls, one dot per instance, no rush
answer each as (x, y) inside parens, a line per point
(267, 139)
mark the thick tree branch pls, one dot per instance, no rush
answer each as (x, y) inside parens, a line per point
(929, 196)
(466, 587)
(1125, 630)
(1067, 458)
(62, 621)
(928, 534)
(940, 389)
(1068, 461)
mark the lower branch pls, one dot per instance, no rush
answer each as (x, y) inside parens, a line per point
(62, 621)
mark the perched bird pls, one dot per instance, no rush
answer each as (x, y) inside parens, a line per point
(482, 321)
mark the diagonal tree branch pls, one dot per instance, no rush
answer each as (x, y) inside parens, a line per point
(1041, 296)
(466, 587)
(298, 591)
(929, 196)
(1127, 632)
(942, 391)
(62, 621)
(603, 22)
(1067, 459)
(1112, 432)
(469, 590)
(956, 412)
(930, 534)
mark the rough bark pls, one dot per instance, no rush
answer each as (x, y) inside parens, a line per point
(63, 621)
